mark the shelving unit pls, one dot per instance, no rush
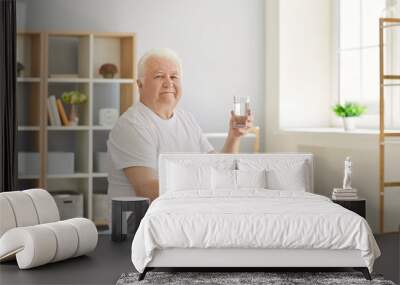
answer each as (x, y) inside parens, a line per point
(389, 55)
(30, 109)
(67, 61)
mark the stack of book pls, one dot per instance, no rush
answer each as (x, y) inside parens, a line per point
(344, 194)
(56, 112)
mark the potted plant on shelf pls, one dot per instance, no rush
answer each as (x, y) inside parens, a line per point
(349, 111)
(74, 98)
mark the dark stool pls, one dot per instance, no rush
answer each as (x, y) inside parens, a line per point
(137, 205)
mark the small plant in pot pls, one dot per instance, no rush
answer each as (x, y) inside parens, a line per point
(74, 98)
(349, 111)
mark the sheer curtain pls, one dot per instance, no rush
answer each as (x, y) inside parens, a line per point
(8, 124)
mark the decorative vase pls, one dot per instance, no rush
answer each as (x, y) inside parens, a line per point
(349, 123)
(108, 70)
(74, 115)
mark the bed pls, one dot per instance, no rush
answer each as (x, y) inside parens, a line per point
(247, 210)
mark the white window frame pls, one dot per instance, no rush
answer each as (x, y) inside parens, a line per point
(371, 119)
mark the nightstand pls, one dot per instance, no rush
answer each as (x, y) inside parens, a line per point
(137, 205)
(358, 206)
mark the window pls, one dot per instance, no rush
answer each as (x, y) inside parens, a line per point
(357, 55)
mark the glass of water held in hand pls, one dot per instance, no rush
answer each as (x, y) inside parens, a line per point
(241, 107)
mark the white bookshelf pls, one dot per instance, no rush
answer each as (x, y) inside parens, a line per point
(68, 176)
(100, 175)
(28, 177)
(68, 80)
(71, 61)
(28, 128)
(101, 128)
(68, 128)
(129, 81)
(28, 79)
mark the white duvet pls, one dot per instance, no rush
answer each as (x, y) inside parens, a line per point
(251, 218)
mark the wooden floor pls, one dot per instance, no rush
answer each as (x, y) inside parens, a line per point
(110, 260)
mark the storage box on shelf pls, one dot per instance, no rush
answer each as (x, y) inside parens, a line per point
(69, 204)
(72, 157)
(72, 146)
(78, 184)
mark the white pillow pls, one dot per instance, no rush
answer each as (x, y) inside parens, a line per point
(236, 179)
(224, 179)
(251, 178)
(293, 177)
(188, 177)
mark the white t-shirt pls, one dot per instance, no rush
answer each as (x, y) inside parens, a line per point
(140, 135)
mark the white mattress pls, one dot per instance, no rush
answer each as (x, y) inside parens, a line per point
(250, 218)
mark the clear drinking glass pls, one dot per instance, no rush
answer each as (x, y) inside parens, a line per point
(241, 107)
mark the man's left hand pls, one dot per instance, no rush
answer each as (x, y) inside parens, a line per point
(237, 132)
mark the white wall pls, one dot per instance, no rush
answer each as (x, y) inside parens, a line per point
(220, 42)
(21, 13)
(305, 63)
(330, 149)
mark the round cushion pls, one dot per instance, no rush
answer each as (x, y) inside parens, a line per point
(45, 205)
(23, 208)
(67, 240)
(7, 218)
(87, 234)
(33, 246)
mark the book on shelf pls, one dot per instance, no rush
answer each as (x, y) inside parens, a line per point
(344, 194)
(334, 197)
(61, 111)
(50, 114)
(342, 191)
(53, 107)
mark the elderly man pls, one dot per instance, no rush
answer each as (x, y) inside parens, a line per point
(155, 125)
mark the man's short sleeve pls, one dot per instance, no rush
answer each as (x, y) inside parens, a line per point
(205, 145)
(130, 144)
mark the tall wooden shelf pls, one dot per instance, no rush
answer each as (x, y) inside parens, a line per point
(389, 78)
(50, 60)
(30, 104)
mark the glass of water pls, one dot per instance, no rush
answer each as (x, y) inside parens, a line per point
(241, 107)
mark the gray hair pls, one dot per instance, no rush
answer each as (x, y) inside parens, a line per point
(158, 53)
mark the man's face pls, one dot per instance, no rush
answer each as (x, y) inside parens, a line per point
(160, 89)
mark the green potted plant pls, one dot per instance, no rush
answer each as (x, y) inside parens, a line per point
(349, 112)
(74, 98)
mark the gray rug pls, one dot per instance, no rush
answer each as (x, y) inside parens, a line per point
(275, 278)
